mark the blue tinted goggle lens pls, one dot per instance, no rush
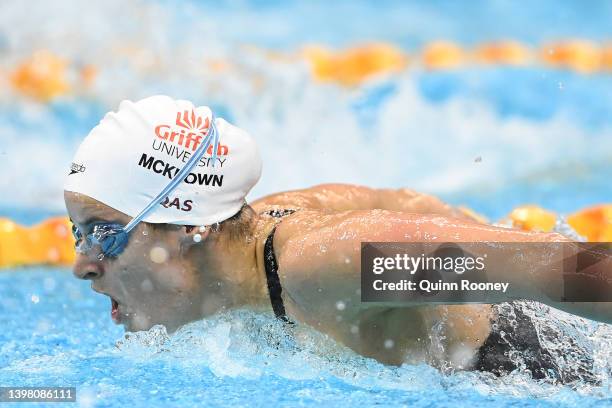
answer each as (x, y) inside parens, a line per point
(111, 238)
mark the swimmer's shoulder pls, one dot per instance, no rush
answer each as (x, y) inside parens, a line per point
(312, 241)
(282, 224)
(296, 200)
(328, 196)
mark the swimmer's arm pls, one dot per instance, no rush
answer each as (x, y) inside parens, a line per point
(322, 265)
(345, 197)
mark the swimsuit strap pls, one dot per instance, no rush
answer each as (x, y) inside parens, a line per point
(274, 286)
(276, 213)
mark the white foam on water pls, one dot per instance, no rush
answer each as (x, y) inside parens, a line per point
(309, 134)
(249, 344)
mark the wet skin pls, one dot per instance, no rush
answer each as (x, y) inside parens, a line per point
(164, 276)
(200, 278)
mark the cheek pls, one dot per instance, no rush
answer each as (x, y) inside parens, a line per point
(154, 268)
(134, 276)
(150, 246)
(175, 277)
(153, 264)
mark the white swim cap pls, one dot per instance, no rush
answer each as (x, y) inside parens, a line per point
(128, 159)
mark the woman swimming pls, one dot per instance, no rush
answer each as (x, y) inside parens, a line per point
(156, 194)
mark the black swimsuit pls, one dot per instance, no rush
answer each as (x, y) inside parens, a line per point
(274, 286)
(514, 338)
(518, 339)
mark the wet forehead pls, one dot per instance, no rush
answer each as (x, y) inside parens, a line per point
(83, 209)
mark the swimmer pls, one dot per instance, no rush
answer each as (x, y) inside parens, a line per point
(169, 237)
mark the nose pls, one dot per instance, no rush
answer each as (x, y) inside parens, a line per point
(85, 268)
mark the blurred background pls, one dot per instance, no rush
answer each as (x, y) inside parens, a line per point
(490, 105)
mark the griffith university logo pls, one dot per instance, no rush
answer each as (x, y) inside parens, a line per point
(189, 131)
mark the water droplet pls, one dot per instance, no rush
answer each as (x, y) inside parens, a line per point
(35, 299)
(389, 343)
(49, 284)
(8, 226)
(354, 329)
(158, 254)
(145, 232)
(100, 257)
(43, 326)
(146, 285)
(197, 238)
(53, 254)
(202, 228)
(61, 231)
(340, 305)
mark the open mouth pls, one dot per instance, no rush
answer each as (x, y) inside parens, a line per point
(115, 314)
(115, 310)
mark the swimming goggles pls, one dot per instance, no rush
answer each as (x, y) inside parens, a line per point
(112, 238)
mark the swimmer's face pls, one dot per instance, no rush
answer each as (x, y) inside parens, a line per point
(150, 282)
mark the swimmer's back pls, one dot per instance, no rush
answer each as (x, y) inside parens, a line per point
(343, 197)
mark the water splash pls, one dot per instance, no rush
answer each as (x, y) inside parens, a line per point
(246, 356)
(247, 344)
(562, 227)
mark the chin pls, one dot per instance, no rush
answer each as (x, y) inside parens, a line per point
(128, 326)
(136, 323)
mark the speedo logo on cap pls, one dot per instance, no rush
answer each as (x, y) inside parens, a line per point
(189, 131)
(76, 168)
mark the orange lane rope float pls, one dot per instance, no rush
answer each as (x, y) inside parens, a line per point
(581, 56)
(443, 55)
(593, 223)
(503, 53)
(355, 65)
(51, 243)
(533, 218)
(352, 66)
(44, 75)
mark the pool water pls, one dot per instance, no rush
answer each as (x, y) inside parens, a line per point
(56, 331)
(489, 137)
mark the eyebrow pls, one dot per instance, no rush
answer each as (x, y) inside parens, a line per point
(88, 221)
(94, 219)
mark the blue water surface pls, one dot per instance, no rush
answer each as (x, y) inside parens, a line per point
(57, 332)
(541, 136)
